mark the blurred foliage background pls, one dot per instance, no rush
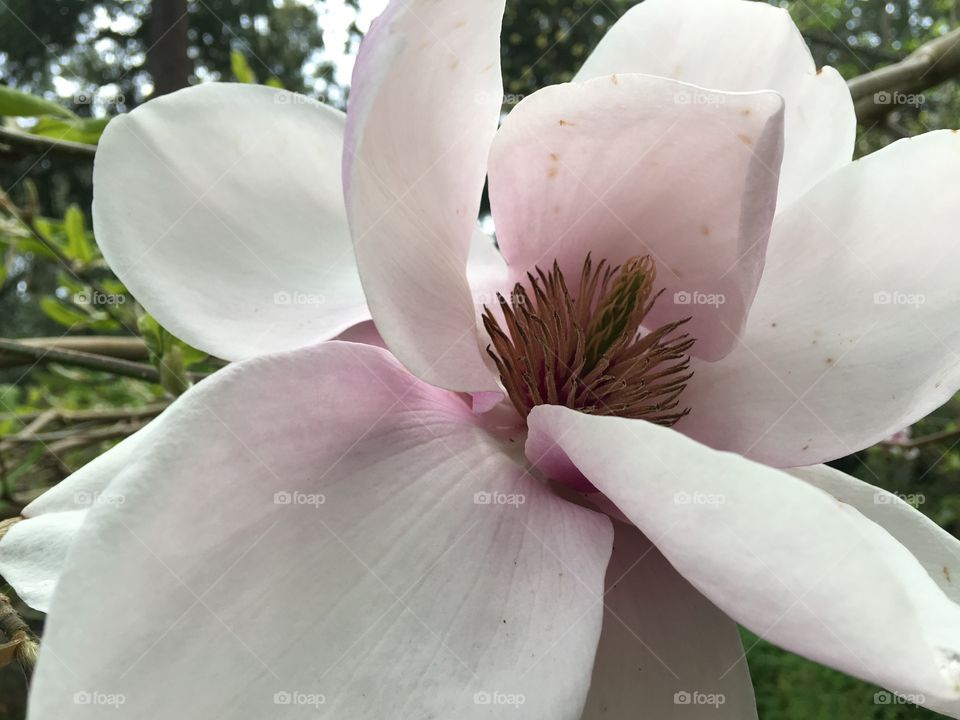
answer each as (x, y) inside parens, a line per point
(82, 366)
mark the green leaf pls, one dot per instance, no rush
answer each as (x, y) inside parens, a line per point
(28, 462)
(32, 245)
(44, 228)
(72, 284)
(78, 243)
(113, 286)
(47, 243)
(152, 335)
(161, 342)
(80, 130)
(241, 68)
(274, 83)
(15, 103)
(173, 371)
(63, 314)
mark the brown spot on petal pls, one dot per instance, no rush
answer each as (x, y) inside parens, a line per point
(819, 71)
(564, 123)
(746, 111)
(704, 230)
(614, 79)
(552, 173)
(555, 157)
(454, 63)
(946, 574)
(829, 361)
(745, 139)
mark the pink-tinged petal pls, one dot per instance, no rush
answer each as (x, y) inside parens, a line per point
(853, 334)
(221, 208)
(487, 270)
(783, 558)
(319, 532)
(424, 107)
(664, 647)
(936, 549)
(635, 165)
(740, 46)
(486, 273)
(364, 333)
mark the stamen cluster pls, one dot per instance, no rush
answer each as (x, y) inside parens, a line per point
(587, 350)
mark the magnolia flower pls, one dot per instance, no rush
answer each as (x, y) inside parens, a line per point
(539, 510)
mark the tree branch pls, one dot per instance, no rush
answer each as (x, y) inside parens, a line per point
(923, 440)
(875, 93)
(124, 348)
(95, 415)
(83, 437)
(90, 361)
(40, 144)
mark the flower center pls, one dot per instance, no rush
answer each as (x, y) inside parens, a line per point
(588, 351)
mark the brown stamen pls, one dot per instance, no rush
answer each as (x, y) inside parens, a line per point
(587, 351)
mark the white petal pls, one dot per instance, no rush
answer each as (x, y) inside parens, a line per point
(785, 559)
(306, 528)
(936, 549)
(635, 165)
(853, 334)
(34, 550)
(33, 553)
(424, 106)
(664, 647)
(221, 208)
(740, 46)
